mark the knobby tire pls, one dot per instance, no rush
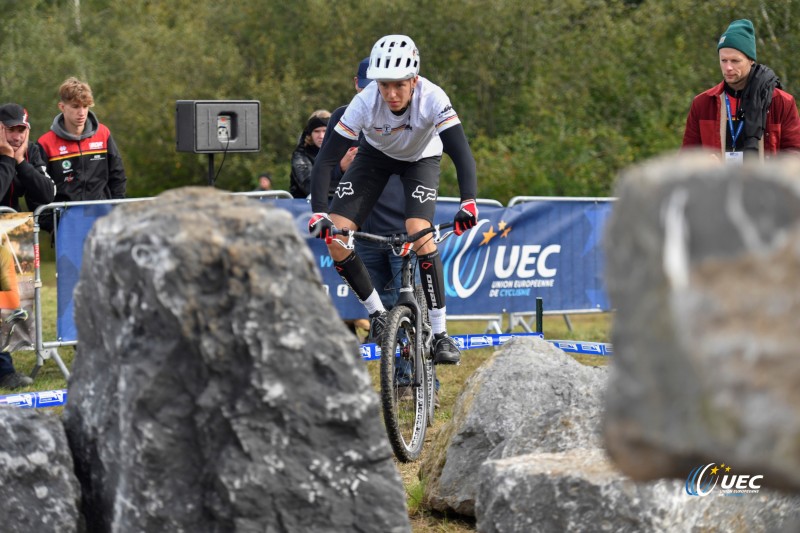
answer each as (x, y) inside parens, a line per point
(404, 409)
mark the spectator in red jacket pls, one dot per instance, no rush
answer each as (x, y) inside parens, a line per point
(81, 156)
(748, 115)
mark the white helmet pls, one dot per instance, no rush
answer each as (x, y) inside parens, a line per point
(393, 58)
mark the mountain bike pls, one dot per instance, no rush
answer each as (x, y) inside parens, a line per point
(408, 375)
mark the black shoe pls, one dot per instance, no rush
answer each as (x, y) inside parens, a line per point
(445, 351)
(377, 323)
(14, 380)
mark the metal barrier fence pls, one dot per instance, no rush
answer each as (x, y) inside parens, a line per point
(49, 349)
(525, 319)
(517, 317)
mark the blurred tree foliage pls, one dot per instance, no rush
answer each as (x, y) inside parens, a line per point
(556, 97)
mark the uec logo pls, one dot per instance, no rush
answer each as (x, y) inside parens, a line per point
(466, 263)
(704, 478)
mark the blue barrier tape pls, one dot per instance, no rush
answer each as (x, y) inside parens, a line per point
(371, 352)
(583, 347)
(30, 400)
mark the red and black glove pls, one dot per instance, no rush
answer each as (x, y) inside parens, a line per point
(466, 217)
(320, 225)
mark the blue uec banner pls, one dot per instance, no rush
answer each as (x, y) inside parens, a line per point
(548, 248)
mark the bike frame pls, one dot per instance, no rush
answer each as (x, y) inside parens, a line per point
(402, 246)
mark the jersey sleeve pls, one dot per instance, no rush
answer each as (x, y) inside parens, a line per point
(351, 123)
(446, 116)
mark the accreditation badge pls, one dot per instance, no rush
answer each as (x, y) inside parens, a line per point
(734, 158)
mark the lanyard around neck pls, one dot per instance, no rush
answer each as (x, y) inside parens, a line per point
(734, 135)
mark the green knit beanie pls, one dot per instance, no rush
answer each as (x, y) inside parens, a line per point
(740, 35)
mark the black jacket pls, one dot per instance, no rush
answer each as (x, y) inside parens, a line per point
(302, 162)
(29, 179)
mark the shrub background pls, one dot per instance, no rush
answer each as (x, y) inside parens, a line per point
(555, 97)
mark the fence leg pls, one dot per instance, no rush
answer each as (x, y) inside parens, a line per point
(539, 315)
(494, 325)
(49, 353)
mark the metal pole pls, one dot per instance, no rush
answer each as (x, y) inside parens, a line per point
(211, 170)
(539, 314)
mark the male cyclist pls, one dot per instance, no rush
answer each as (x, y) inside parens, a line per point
(407, 123)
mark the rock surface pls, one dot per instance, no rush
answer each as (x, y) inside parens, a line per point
(581, 490)
(215, 387)
(38, 488)
(704, 271)
(529, 397)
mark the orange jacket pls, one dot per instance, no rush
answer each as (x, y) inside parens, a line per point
(9, 290)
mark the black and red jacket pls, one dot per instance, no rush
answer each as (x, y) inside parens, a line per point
(88, 167)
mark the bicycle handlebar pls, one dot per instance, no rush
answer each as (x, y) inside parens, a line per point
(396, 240)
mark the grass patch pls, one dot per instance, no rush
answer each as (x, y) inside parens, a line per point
(49, 376)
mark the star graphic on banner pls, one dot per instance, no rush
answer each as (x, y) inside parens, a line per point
(488, 235)
(714, 470)
(504, 228)
(727, 469)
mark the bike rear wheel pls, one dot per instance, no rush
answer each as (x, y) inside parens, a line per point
(405, 406)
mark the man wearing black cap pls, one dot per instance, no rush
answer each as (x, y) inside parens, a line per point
(747, 115)
(23, 172)
(28, 176)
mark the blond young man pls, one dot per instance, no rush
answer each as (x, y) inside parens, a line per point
(81, 156)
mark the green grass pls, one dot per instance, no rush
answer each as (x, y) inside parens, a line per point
(49, 376)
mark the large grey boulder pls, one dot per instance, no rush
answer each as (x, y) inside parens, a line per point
(581, 490)
(703, 269)
(215, 388)
(38, 488)
(529, 397)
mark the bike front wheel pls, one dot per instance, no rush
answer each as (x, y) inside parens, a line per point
(430, 368)
(404, 386)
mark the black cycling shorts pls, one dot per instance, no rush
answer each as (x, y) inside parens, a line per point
(368, 174)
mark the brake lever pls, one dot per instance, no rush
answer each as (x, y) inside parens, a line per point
(349, 245)
(438, 236)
